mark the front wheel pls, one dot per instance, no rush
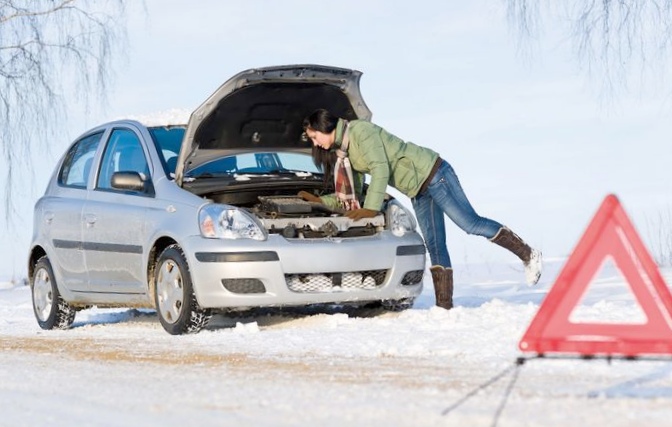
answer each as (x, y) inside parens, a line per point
(175, 301)
(51, 311)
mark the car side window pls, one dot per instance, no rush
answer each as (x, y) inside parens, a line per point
(123, 153)
(77, 164)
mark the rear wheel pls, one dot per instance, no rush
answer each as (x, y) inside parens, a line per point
(51, 311)
(175, 301)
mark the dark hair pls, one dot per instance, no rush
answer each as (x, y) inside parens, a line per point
(320, 120)
(323, 121)
(325, 160)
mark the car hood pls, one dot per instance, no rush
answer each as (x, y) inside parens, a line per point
(262, 109)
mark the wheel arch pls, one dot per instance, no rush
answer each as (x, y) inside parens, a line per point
(159, 245)
(36, 253)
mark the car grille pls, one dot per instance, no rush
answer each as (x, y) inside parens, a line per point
(335, 282)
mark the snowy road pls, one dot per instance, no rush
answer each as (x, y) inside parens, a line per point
(329, 368)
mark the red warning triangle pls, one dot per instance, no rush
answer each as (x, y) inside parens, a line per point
(609, 234)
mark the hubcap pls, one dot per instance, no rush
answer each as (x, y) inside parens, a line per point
(43, 296)
(169, 291)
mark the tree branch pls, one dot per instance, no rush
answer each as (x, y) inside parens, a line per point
(22, 13)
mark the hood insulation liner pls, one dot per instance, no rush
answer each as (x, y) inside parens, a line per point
(269, 115)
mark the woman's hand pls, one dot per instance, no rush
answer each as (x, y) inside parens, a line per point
(309, 197)
(361, 213)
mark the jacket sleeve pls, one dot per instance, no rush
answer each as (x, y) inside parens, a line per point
(330, 200)
(371, 146)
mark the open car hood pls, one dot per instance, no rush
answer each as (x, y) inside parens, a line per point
(262, 109)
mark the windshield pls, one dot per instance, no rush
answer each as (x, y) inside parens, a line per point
(258, 163)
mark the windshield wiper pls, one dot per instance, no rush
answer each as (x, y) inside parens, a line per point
(289, 171)
(205, 175)
(276, 171)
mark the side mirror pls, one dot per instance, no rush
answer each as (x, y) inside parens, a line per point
(132, 181)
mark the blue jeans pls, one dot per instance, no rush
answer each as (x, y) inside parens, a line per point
(445, 195)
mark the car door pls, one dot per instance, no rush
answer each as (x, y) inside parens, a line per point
(61, 212)
(114, 220)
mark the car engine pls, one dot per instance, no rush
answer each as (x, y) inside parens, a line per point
(294, 217)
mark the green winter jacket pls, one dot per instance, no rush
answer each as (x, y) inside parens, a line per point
(388, 159)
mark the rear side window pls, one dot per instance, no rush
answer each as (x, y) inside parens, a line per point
(77, 164)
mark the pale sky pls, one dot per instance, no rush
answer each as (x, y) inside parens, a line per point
(528, 132)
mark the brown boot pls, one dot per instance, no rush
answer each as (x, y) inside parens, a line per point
(531, 257)
(443, 286)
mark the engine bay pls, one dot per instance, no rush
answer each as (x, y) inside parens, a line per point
(294, 217)
(288, 214)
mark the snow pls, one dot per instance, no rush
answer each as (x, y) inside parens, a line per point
(169, 117)
(330, 366)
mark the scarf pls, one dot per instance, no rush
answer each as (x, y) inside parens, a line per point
(343, 181)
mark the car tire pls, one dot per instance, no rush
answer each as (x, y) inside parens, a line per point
(174, 298)
(51, 310)
(397, 304)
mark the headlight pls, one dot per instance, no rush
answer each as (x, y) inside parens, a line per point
(399, 219)
(225, 222)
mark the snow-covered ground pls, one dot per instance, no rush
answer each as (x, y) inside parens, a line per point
(329, 366)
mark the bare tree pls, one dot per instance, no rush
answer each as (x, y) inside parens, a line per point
(612, 38)
(47, 47)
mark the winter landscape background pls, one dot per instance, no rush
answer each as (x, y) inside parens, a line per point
(537, 143)
(534, 136)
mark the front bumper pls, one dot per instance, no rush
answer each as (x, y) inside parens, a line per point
(281, 272)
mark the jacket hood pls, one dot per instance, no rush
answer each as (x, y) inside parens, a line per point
(263, 109)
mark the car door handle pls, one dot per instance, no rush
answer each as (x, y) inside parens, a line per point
(90, 219)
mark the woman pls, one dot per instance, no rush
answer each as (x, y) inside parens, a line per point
(417, 172)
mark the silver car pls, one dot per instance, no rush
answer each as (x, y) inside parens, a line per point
(203, 217)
